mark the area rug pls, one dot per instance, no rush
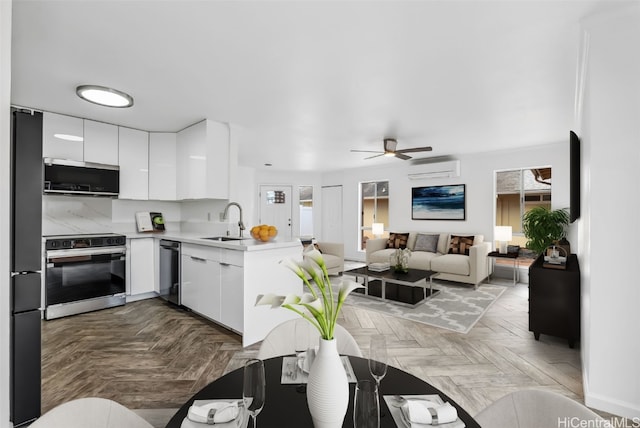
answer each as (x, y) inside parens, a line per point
(457, 307)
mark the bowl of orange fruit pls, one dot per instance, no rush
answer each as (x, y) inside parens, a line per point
(264, 232)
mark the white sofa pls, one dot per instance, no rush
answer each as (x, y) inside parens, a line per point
(469, 269)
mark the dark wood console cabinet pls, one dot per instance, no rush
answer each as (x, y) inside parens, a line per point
(554, 300)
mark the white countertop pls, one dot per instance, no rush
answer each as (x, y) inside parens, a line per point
(246, 244)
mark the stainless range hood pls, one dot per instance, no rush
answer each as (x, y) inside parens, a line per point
(69, 177)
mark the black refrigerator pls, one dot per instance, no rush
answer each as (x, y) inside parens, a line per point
(26, 261)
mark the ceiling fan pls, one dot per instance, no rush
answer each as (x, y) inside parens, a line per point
(390, 145)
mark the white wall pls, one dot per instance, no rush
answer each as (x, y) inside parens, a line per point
(203, 216)
(477, 173)
(5, 167)
(611, 141)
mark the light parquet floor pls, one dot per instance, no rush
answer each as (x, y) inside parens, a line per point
(149, 355)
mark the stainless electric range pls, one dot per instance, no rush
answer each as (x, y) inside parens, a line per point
(84, 273)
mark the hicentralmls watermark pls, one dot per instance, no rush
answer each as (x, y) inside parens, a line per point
(575, 422)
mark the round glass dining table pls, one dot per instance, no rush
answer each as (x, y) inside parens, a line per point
(286, 404)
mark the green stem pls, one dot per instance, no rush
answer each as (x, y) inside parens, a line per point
(305, 316)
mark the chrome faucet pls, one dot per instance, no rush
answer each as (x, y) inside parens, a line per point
(240, 223)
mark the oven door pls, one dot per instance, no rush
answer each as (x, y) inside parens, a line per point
(86, 273)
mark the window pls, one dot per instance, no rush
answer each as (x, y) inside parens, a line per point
(374, 208)
(517, 191)
(306, 210)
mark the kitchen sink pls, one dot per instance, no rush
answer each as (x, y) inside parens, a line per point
(224, 238)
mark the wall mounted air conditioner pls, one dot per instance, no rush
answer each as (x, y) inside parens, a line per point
(448, 169)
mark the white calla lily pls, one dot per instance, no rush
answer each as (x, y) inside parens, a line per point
(347, 287)
(269, 299)
(312, 302)
(293, 266)
(291, 299)
(319, 306)
(315, 255)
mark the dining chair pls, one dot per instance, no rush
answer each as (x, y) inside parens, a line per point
(279, 340)
(533, 408)
(90, 412)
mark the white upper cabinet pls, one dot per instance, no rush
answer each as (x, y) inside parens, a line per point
(100, 142)
(62, 137)
(162, 166)
(133, 158)
(203, 161)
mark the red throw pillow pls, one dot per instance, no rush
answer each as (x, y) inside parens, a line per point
(460, 244)
(398, 240)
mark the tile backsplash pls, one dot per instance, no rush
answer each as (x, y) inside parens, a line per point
(63, 215)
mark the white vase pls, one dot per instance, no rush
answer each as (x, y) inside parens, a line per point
(327, 387)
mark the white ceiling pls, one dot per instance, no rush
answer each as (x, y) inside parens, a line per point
(307, 81)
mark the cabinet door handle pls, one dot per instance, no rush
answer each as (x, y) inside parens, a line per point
(197, 259)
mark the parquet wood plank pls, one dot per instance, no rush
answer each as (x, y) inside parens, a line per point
(149, 355)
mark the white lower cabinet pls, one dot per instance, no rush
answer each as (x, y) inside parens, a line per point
(140, 266)
(212, 284)
(200, 288)
(232, 296)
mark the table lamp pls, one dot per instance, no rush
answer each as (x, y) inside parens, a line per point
(503, 235)
(377, 229)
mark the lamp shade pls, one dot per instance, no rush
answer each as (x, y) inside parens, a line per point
(377, 228)
(503, 233)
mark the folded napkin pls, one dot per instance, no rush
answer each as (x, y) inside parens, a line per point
(225, 411)
(306, 358)
(422, 412)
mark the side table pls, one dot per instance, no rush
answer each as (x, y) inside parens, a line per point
(554, 300)
(491, 262)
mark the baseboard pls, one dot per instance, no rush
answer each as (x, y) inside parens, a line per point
(149, 295)
(615, 407)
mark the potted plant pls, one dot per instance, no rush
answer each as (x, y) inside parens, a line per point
(543, 227)
(327, 387)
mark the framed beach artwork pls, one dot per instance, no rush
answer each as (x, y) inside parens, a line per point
(438, 202)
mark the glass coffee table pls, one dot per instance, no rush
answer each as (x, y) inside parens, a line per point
(398, 287)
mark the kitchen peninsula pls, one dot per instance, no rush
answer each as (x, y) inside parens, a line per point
(220, 280)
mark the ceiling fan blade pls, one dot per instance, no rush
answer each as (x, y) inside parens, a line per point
(366, 151)
(415, 149)
(374, 156)
(401, 156)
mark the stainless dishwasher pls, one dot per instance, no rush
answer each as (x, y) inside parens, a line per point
(170, 271)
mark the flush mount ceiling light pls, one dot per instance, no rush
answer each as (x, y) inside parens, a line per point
(104, 96)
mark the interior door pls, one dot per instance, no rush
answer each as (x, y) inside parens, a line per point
(332, 214)
(275, 209)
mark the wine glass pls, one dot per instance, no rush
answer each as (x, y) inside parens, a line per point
(378, 358)
(253, 388)
(366, 405)
(300, 343)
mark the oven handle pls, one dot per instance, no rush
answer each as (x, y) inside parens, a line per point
(57, 254)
